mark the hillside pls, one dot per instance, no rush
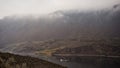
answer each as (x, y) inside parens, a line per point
(61, 25)
(95, 50)
(73, 33)
(15, 61)
(104, 46)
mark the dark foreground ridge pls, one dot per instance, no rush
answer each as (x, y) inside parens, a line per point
(15, 61)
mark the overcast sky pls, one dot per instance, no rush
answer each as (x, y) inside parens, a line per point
(23, 7)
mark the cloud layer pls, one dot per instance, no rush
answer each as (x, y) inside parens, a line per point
(23, 7)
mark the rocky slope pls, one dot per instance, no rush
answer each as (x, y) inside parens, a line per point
(15, 61)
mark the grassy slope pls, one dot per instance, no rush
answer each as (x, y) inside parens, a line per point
(109, 47)
(49, 47)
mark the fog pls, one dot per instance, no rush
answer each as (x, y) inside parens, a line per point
(40, 7)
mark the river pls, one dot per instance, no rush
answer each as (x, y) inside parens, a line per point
(77, 62)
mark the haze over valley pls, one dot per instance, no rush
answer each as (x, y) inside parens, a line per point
(62, 32)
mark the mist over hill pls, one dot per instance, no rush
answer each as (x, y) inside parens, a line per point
(61, 25)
